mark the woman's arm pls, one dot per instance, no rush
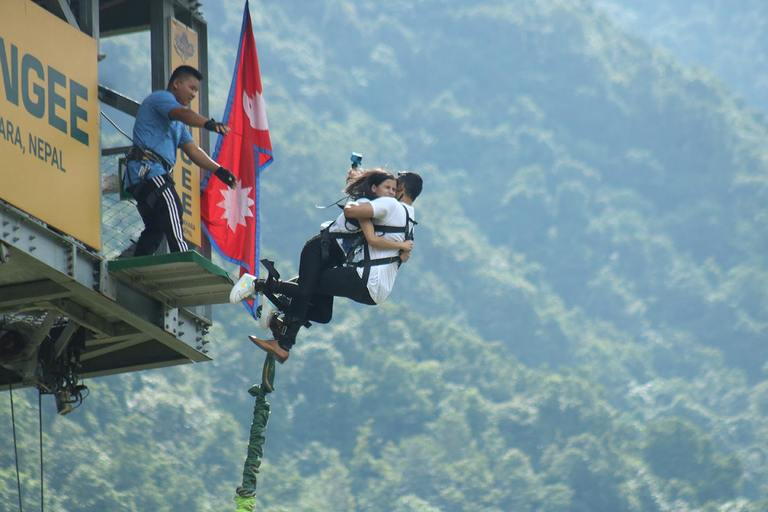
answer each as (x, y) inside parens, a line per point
(357, 210)
(382, 243)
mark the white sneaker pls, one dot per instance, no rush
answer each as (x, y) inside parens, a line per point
(268, 311)
(243, 289)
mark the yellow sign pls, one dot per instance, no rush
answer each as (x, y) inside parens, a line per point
(184, 50)
(49, 120)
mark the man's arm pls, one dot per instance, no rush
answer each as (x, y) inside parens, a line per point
(199, 157)
(192, 118)
(202, 160)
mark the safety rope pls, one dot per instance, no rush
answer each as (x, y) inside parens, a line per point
(15, 449)
(337, 203)
(116, 127)
(40, 423)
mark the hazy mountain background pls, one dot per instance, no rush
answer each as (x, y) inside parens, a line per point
(582, 326)
(730, 42)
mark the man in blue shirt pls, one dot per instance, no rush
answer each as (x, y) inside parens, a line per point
(161, 128)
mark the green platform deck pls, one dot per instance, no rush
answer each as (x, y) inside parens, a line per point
(179, 279)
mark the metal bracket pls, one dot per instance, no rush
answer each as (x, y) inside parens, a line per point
(171, 323)
(107, 283)
(64, 338)
(5, 253)
(29, 368)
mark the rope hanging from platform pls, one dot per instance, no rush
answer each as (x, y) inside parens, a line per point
(245, 495)
(16, 449)
(40, 430)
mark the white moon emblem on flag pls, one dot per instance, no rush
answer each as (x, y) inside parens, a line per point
(256, 111)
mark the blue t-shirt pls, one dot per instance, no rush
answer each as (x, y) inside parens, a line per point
(153, 130)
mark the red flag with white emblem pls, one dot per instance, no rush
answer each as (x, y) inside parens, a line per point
(231, 216)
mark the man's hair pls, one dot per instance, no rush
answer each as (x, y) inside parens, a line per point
(412, 183)
(183, 72)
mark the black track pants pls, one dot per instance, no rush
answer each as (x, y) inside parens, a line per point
(160, 209)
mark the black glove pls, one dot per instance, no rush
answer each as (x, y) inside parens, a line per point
(212, 126)
(226, 177)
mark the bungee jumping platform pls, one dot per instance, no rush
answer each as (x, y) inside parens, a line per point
(132, 314)
(70, 307)
(73, 304)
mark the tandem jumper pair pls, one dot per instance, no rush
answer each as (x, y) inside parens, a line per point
(245, 494)
(357, 246)
(319, 251)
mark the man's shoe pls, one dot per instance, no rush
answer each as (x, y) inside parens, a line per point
(268, 311)
(243, 289)
(271, 347)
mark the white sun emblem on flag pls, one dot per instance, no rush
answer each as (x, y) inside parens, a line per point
(236, 205)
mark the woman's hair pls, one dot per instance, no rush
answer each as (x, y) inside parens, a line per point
(362, 184)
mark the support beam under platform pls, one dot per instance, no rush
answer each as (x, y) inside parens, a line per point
(132, 314)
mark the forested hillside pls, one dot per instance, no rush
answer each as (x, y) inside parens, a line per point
(733, 43)
(582, 326)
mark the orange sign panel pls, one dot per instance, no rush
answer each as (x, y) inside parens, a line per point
(49, 120)
(184, 50)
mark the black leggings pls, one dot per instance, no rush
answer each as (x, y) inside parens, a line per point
(311, 267)
(319, 281)
(336, 282)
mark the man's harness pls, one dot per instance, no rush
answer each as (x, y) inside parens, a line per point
(140, 154)
(360, 243)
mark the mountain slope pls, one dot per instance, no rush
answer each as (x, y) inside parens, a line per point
(587, 288)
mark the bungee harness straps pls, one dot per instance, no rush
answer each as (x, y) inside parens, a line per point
(361, 244)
